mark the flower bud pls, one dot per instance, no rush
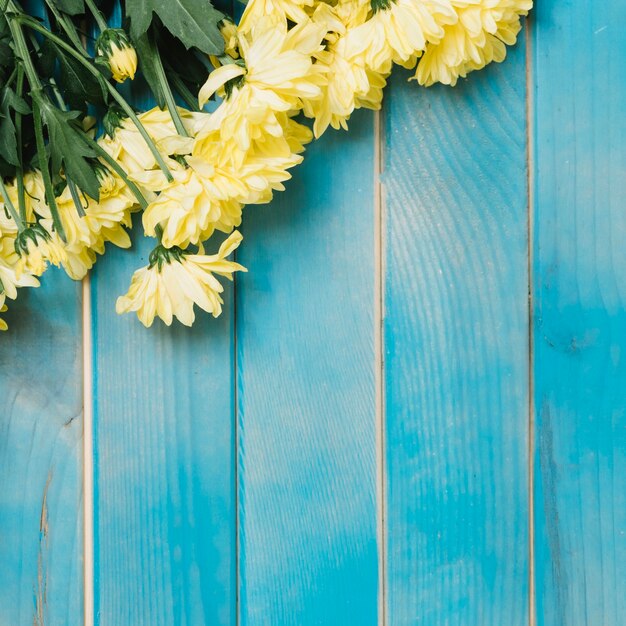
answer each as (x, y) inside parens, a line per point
(114, 48)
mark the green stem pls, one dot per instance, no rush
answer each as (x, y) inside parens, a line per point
(9, 205)
(167, 92)
(112, 91)
(76, 198)
(185, 93)
(22, 47)
(95, 11)
(18, 137)
(67, 26)
(45, 171)
(117, 168)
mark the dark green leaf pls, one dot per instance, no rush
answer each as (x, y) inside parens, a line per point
(193, 22)
(45, 63)
(71, 7)
(148, 65)
(10, 101)
(186, 66)
(67, 150)
(79, 86)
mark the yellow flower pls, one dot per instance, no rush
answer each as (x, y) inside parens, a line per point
(175, 281)
(108, 215)
(398, 30)
(279, 70)
(33, 186)
(129, 148)
(36, 249)
(231, 40)
(294, 10)
(183, 209)
(10, 279)
(477, 39)
(347, 79)
(113, 48)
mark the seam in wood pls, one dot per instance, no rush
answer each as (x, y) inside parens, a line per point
(532, 620)
(379, 369)
(88, 495)
(235, 417)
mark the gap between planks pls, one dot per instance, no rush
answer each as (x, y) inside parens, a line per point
(530, 185)
(379, 314)
(88, 495)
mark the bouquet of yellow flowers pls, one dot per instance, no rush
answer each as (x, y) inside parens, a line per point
(76, 158)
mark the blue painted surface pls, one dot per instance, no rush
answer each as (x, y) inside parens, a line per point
(235, 463)
(456, 350)
(164, 462)
(579, 53)
(40, 457)
(306, 394)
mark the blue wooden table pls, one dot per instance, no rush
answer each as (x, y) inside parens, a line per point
(413, 411)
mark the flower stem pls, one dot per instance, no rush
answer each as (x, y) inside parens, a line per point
(19, 174)
(76, 198)
(167, 92)
(95, 11)
(45, 171)
(183, 91)
(9, 205)
(21, 47)
(112, 91)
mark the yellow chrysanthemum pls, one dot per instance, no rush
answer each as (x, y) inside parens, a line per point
(294, 10)
(175, 281)
(10, 279)
(37, 249)
(184, 209)
(477, 39)
(398, 30)
(129, 148)
(114, 48)
(347, 80)
(278, 69)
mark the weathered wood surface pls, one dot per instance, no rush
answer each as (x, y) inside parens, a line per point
(456, 350)
(579, 292)
(41, 577)
(288, 464)
(306, 393)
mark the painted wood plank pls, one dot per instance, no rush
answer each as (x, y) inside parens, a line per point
(456, 350)
(579, 54)
(164, 461)
(306, 393)
(41, 576)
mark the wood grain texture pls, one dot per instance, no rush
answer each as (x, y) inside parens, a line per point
(41, 578)
(456, 350)
(579, 53)
(306, 393)
(164, 461)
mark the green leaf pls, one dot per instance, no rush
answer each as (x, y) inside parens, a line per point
(193, 22)
(67, 150)
(9, 100)
(70, 7)
(79, 86)
(7, 58)
(148, 65)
